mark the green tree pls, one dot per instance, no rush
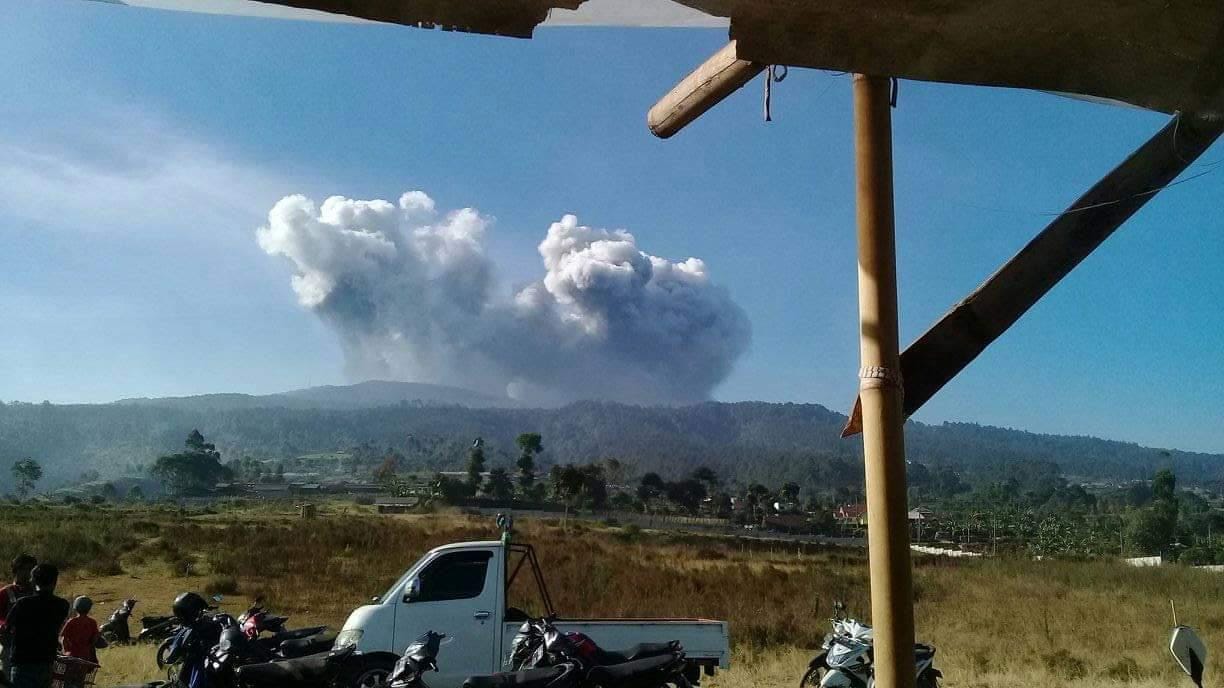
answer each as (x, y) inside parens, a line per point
(475, 466)
(530, 444)
(191, 472)
(449, 490)
(706, 476)
(687, 494)
(499, 486)
(651, 487)
(109, 491)
(1148, 532)
(790, 493)
(135, 494)
(26, 473)
(386, 472)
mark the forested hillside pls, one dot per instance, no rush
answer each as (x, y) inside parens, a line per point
(749, 441)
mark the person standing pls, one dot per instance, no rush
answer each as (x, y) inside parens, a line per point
(21, 587)
(34, 625)
(80, 637)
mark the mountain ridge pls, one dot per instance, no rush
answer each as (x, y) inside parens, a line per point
(744, 441)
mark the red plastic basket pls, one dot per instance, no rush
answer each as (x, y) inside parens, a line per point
(71, 672)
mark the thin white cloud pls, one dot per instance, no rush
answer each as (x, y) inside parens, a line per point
(130, 172)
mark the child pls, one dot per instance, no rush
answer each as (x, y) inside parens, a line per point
(80, 637)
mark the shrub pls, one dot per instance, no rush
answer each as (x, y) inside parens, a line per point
(1125, 669)
(1065, 665)
(104, 565)
(221, 585)
(182, 566)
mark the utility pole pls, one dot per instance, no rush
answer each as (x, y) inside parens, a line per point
(880, 387)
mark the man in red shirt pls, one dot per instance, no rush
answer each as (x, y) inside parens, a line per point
(80, 637)
(21, 587)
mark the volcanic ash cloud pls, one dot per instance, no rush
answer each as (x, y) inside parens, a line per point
(411, 294)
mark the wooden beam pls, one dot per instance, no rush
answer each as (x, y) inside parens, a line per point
(720, 76)
(956, 339)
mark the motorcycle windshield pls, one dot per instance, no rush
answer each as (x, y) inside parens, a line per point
(425, 648)
(405, 672)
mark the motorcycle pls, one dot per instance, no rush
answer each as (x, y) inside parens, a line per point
(184, 654)
(847, 657)
(236, 649)
(652, 672)
(116, 630)
(256, 621)
(157, 628)
(539, 643)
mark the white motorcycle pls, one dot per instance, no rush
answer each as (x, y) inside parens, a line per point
(846, 658)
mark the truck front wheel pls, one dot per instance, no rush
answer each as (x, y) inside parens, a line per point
(369, 672)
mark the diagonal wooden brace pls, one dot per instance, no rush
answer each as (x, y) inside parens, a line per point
(958, 337)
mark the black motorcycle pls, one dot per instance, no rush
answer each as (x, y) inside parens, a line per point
(237, 649)
(116, 630)
(651, 672)
(157, 628)
(283, 642)
(539, 643)
(321, 670)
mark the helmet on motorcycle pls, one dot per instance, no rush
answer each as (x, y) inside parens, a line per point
(189, 607)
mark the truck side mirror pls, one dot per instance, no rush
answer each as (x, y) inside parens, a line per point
(1190, 653)
(412, 591)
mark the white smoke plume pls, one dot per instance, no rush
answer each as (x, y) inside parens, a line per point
(411, 294)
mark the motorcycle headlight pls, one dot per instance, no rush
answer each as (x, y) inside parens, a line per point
(348, 638)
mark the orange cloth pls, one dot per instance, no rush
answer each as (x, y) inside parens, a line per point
(80, 638)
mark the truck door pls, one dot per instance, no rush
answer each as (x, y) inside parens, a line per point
(457, 595)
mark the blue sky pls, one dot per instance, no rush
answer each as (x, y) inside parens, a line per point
(140, 150)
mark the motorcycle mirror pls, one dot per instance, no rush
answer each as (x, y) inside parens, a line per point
(412, 591)
(1189, 652)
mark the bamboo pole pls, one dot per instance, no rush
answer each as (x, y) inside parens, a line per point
(892, 611)
(718, 77)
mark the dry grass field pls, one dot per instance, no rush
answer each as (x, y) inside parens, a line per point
(998, 623)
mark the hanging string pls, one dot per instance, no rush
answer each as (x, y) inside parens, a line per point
(774, 74)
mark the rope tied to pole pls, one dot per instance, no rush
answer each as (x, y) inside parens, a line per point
(774, 74)
(878, 377)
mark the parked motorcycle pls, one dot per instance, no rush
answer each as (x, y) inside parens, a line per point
(539, 643)
(847, 658)
(298, 642)
(184, 654)
(116, 630)
(157, 628)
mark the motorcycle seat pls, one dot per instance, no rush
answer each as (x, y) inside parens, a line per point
(299, 633)
(285, 671)
(532, 678)
(621, 673)
(639, 651)
(302, 647)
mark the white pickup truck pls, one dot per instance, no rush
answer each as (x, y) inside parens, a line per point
(462, 590)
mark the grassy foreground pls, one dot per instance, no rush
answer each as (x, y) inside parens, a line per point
(996, 623)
